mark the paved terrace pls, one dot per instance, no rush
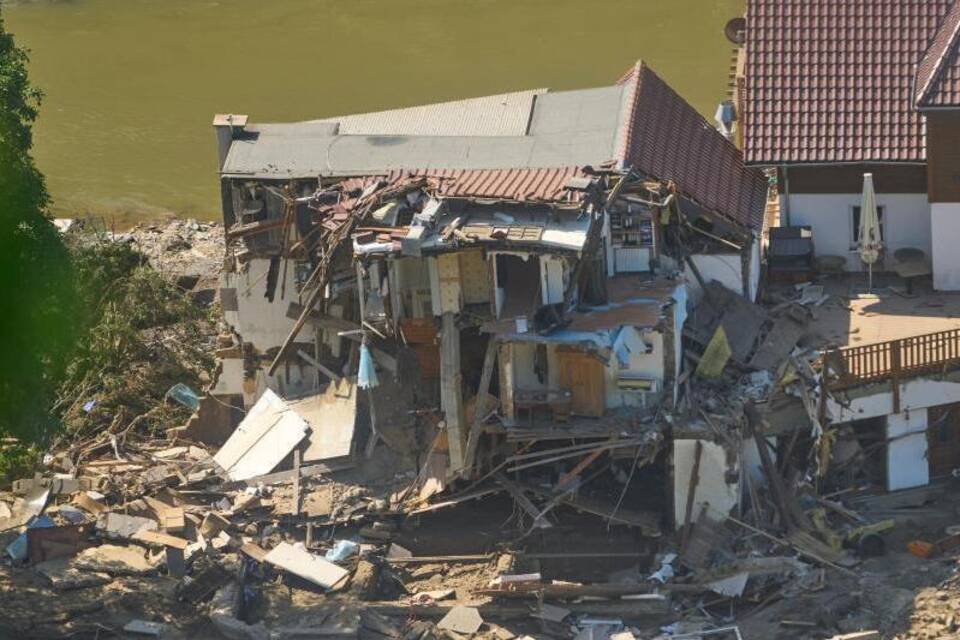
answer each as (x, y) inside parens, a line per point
(853, 317)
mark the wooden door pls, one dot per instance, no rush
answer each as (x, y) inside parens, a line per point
(583, 376)
(943, 439)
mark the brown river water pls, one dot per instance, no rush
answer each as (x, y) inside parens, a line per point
(132, 85)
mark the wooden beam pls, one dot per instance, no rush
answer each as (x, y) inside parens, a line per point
(451, 393)
(691, 494)
(525, 503)
(252, 228)
(317, 365)
(480, 409)
(791, 514)
(569, 476)
(322, 320)
(296, 482)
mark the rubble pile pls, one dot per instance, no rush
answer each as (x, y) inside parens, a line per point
(181, 249)
(454, 404)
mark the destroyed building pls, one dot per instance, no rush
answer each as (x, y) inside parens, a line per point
(492, 355)
(524, 262)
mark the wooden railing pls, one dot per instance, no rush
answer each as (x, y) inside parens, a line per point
(894, 359)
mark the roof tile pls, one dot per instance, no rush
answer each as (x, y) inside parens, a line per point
(825, 79)
(666, 138)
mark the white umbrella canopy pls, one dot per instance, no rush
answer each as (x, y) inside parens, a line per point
(870, 241)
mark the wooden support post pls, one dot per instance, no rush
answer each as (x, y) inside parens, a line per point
(296, 482)
(451, 396)
(895, 370)
(691, 494)
(374, 431)
(480, 408)
(791, 514)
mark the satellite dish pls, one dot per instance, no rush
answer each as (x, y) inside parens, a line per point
(736, 30)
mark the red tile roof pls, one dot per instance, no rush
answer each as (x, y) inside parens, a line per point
(523, 185)
(666, 138)
(833, 80)
(938, 75)
(520, 185)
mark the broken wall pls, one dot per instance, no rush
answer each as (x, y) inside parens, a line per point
(725, 268)
(718, 484)
(258, 320)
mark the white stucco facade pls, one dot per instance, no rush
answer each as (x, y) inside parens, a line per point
(256, 319)
(718, 480)
(945, 225)
(906, 222)
(906, 453)
(265, 325)
(725, 268)
(919, 393)
(907, 450)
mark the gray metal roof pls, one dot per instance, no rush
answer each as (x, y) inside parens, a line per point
(569, 128)
(505, 114)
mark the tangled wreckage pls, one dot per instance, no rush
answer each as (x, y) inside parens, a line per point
(495, 367)
(482, 320)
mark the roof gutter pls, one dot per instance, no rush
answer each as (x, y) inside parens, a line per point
(938, 108)
(774, 164)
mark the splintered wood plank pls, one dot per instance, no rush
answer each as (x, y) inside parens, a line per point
(306, 565)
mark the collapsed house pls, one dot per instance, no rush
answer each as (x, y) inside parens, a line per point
(547, 299)
(519, 265)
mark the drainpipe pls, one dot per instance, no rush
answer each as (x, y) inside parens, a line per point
(785, 209)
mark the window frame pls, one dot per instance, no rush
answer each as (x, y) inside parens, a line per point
(854, 218)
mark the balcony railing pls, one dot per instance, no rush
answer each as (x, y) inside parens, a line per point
(894, 359)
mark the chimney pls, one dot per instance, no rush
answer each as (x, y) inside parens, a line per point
(228, 126)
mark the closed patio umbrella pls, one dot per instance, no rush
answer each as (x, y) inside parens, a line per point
(870, 241)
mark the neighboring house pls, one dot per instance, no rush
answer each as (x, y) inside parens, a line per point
(833, 89)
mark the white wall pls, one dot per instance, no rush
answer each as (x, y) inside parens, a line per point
(258, 320)
(265, 324)
(649, 366)
(945, 222)
(915, 394)
(906, 222)
(552, 280)
(907, 455)
(754, 280)
(712, 485)
(231, 377)
(726, 268)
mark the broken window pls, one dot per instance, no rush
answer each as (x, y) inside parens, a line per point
(518, 285)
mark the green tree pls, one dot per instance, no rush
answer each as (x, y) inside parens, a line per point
(36, 298)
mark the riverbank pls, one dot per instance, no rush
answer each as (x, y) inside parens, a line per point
(124, 131)
(173, 247)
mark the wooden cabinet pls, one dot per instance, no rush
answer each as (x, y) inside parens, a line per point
(583, 376)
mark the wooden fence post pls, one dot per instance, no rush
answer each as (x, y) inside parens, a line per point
(895, 361)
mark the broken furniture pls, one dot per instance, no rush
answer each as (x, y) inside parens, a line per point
(790, 256)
